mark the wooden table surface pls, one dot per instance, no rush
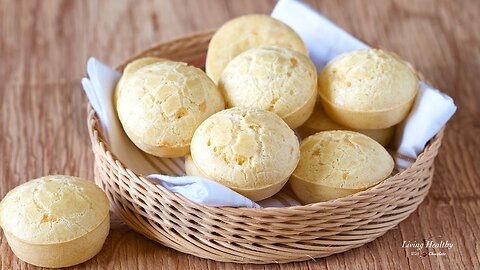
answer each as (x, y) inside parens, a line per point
(44, 46)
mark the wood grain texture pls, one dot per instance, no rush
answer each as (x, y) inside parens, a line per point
(44, 46)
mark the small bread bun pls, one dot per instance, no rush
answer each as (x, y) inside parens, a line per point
(249, 150)
(162, 103)
(55, 221)
(367, 89)
(275, 79)
(335, 164)
(247, 32)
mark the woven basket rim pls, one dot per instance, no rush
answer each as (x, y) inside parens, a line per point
(97, 138)
(141, 53)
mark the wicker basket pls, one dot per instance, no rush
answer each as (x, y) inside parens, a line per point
(245, 235)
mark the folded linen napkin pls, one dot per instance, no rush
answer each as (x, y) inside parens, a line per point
(325, 40)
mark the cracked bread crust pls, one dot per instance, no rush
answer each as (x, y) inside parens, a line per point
(272, 78)
(161, 104)
(343, 159)
(53, 209)
(246, 32)
(130, 69)
(367, 89)
(245, 148)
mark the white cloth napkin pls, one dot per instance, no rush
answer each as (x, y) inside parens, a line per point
(203, 191)
(325, 40)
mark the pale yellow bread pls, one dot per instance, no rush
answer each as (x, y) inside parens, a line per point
(130, 69)
(367, 89)
(319, 121)
(161, 104)
(255, 194)
(272, 78)
(338, 163)
(191, 169)
(312, 193)
(251, 151)
(55, 221)
(246, 32)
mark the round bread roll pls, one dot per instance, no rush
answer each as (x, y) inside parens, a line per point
(161, 104)
(335, 164)
(249, 150)
(246, 32)
(367, 89)
(275, 79)
(130, 69)
(55, 221)
(319, 121)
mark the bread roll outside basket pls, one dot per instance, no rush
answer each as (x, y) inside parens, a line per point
(246, 235)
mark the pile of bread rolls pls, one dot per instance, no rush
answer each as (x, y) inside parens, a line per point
(235, 123)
